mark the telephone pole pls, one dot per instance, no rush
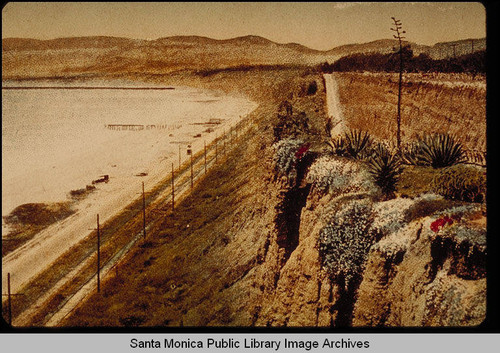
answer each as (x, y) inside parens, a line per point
(98, 256)
(173, 186)
(397, 28)
(9, 299)
(143, 211)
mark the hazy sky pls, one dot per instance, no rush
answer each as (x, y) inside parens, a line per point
(322, 26)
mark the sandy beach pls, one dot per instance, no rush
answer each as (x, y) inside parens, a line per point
(128, 157)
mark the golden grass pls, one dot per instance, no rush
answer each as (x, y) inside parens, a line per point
(444, 103)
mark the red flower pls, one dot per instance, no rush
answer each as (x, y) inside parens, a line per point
(448, 220)
(440, 223)
(302, 150)
(437, 225)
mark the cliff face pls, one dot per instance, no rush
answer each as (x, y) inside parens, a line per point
(412, 274)
(430, 281)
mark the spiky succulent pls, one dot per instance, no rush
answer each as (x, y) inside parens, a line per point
(354, 143)
(385, 168)
(440, 150)
(357, 142)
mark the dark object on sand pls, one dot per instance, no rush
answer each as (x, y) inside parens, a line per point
(102, 179)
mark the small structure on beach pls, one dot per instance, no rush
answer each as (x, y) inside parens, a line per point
(102, 179)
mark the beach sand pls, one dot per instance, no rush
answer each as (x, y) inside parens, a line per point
(123, 165)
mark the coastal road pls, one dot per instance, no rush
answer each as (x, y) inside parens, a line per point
(42, 251)
(32, 258)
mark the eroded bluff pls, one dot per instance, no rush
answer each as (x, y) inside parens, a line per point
(347, 258)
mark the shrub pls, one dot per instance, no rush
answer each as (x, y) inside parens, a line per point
(461, 183)
(345, 241)
(385, 168)
(289, 123)
(285, 156)
(39, 214)
(338, 175)
(426, 205)
(313, 88)
(439, 150)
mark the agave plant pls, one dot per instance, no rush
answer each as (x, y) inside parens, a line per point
(357, 142)
(440, 150)
(338, 145)
(385, 168)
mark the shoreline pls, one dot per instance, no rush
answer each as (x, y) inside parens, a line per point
(119, 154)
(107, 201)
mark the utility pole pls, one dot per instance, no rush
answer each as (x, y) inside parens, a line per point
(173, 187)
(143, 211)
(98, 273)
(191, 169)
(9, 299)
(98, 256)
(179, 156)
(397, 28)
(215, 148)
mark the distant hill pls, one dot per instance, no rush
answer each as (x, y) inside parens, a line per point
(457, 48)
(67, 43)
(23, 57)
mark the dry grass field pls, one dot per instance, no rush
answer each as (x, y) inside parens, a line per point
(431, 103)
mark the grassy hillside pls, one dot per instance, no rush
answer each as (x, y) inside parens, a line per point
(431, 103)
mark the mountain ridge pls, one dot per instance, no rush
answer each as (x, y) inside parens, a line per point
(247, 39)
(96, 55)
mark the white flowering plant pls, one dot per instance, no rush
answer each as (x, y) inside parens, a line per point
(345, 241)
(338, 175)
(284, 156)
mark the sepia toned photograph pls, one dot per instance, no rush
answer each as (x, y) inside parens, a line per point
(275, 164)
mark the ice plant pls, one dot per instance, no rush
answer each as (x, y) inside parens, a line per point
(345, 241)
(339, 175)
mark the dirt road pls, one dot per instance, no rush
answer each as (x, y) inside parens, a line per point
(333, 105)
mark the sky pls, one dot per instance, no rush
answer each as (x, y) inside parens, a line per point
(317, 25)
